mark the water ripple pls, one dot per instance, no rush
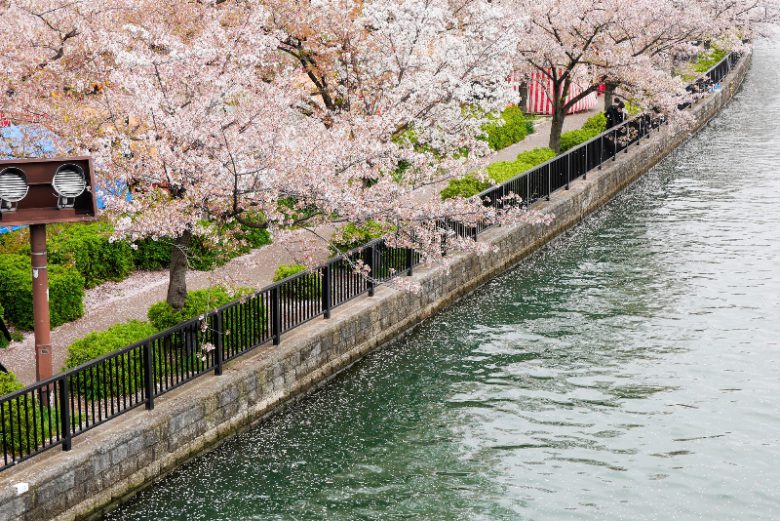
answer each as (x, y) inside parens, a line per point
(629, 370)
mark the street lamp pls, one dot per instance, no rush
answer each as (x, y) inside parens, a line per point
(69, 182)
(37, 192)
(13, 188)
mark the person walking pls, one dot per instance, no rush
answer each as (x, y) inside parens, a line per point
(613, 114)
(621, 111)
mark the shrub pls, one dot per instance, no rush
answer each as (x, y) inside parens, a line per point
(288, 270)
(498, 173)
(296, 210)
(16, 242)
(255, 237)
(3, 339)
(596, 124)
(573, 138)
(506, 170)
(66, 292)
(163, 316)
(88, 247)
(9, 383)
(536, 156)
(513, 129)
(306, 287)
(352, 236)
(708, 60)
(242, 329)
(204, 255)
(26, 421)
(152, 255)
(465, 187)
(126, 374)
(633, 109)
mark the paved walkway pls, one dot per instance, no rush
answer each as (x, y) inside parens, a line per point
(541, 136)
(130, 299)
(115, 302)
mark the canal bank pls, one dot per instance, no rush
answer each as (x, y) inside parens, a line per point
(111, 461)
(626, 371)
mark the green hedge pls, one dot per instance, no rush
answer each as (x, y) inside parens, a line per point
(153, 255)
(16, 242)
(499, 172)
(306, 287)
(242, 330)
(594, 126)
(89, 248)
(198, 302)
(574, 138)
(126, 374)
(9, 383)
(505, 170)
(708, 60)
(3, 339)
(352, 236)
(464, 187)
(516, 126)
(536, 156)
(66, 292)
(25, 421)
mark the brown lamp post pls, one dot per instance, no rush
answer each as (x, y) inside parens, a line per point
(37, 192)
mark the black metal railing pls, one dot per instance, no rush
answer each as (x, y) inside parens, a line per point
(559, 172)
(52, 412)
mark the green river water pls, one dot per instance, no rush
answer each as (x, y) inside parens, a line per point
(628, 371)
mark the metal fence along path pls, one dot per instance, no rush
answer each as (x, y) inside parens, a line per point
(50, 413)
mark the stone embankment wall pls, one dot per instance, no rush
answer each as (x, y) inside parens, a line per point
(111, 461)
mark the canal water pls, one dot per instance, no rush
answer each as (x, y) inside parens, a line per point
(629, 370)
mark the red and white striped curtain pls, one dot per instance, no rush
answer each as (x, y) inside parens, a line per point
(539, 90)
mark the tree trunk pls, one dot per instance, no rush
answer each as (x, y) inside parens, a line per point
(523, 92)
(609, 93)
(177, 285)
(559, 116)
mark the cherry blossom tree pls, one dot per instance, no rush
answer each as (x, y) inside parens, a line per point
(587, 43)
(199, 108)
(287, 114)
(628, 44)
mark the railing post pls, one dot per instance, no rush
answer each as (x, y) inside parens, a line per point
(326, 297)
(409, 262)
(628, 138)
(568, 170)
(368, 259)
(276, 315)
(585, 167)
(148, 376)
(67, 436)
(614, 145)
(219, 345)
(549, 175)
(601, 150)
